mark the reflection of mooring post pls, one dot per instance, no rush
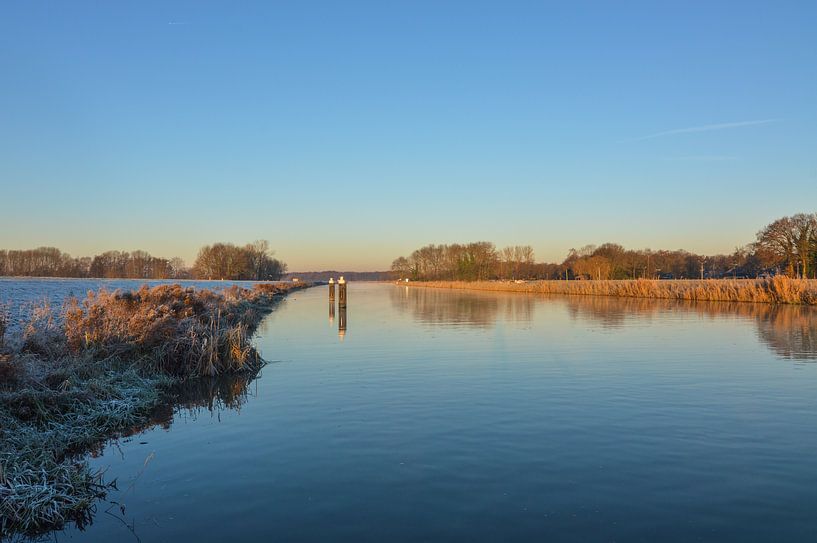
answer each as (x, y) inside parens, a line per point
(342, 292)
(342, 320)
(332, 289)
(331, 312)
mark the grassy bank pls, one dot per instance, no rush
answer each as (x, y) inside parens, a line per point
(776, 290)
(96, 369)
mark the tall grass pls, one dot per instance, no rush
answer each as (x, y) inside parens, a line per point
(170, 329)
(776, 290)
(4, 323)
(95, 369)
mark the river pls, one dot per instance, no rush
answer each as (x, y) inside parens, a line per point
(470, 416)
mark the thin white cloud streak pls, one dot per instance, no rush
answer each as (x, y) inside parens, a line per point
(704, 158)
(705, 128)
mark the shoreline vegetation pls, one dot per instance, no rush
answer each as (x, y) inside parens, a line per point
(774, 290)
(787, 246)
(101, 368)
(251, 262)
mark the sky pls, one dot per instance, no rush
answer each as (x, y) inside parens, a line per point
(350, 133)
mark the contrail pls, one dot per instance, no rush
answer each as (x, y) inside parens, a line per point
(705, 128)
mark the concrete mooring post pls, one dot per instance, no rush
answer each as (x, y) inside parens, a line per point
(331, 289)
(341, 292)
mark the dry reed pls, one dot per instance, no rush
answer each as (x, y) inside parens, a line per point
(776, 290)
(179, 331)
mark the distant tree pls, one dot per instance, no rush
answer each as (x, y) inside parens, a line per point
(401, 268)
(257, 256)
(805, 228)
(617, 256)
(226, 261)
(271, 269)
(220, 260)
(178, 268)
(593, 267)
(515, 261)
(789, 242)
(474, 261)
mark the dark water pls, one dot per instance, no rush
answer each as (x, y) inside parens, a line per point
(453, 416)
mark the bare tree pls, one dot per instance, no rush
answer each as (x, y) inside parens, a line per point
(790, 241)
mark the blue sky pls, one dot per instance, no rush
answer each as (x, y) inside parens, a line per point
(349, 133)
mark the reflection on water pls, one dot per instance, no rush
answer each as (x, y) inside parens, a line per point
(214, 394)
(789, 331)
(468, 308)
(186, 401)
(342, 322)
(191, 398)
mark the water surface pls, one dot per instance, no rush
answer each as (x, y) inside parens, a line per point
(456, 416)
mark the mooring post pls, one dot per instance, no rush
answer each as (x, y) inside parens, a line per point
(342, 292)
(331, 312)
(331, 289)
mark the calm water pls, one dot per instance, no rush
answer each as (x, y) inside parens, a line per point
(453, 416)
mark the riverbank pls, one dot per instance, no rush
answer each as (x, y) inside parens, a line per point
(94, 370)
(776, 290)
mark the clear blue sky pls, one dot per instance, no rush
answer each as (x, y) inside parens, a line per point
(349, 133)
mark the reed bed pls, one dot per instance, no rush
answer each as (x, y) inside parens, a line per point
(775, 290)
(95, 369)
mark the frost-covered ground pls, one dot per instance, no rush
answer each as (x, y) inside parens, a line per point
(21, 294)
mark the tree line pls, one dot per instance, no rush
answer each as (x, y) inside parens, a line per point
(469, 262)
(253, 261)
(786, 246)
(227, 261)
